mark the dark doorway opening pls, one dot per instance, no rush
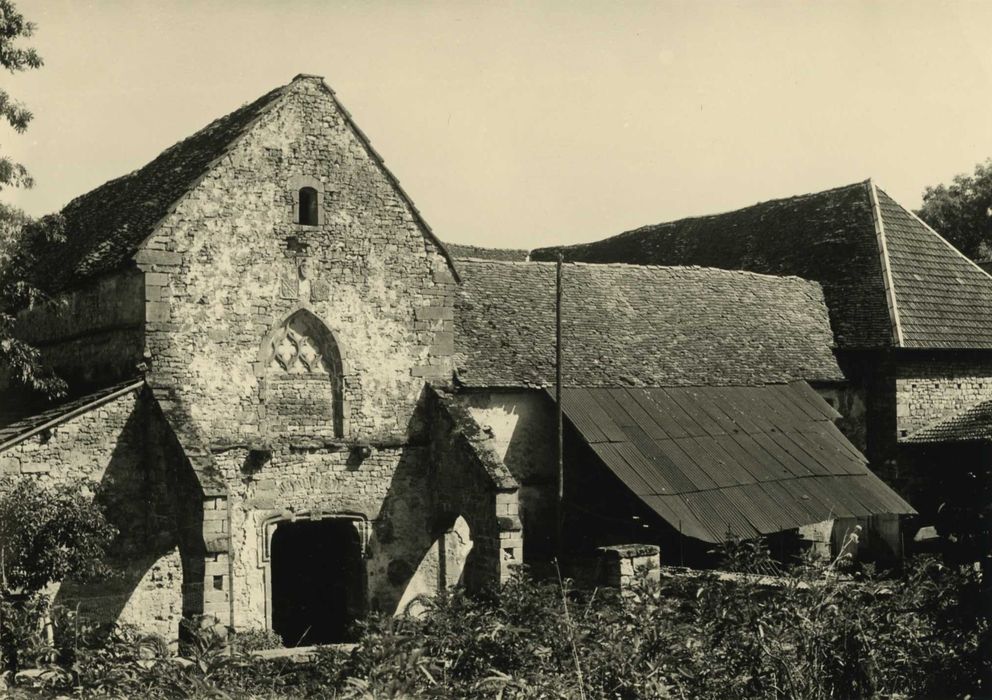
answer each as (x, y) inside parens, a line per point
(318, 581)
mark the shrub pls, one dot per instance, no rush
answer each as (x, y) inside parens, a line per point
(47, 533)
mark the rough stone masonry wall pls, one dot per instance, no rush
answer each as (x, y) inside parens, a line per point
(78, 448)
(618, 566)
(91, 335)
(849, 401)
(471, 481)
(404, 498)
(226, 270)
(387, 490)
(107, 445)
(931, 388)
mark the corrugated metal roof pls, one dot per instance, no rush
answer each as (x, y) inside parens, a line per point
(730, 461)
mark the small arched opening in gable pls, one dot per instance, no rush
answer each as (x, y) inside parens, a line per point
(309, 207)
(302, 379)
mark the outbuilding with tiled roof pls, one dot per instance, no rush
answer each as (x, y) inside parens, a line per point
(911, 315)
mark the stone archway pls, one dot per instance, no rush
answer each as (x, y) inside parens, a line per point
(316, 585)
(444, 564)
(454, 551)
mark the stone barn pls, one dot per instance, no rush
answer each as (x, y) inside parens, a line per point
(299, 408)
(911, 319)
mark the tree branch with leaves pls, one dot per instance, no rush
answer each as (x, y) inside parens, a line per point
(19, 234)
(962, 211)
(13, 28)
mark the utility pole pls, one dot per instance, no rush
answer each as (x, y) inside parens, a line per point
(560, 451)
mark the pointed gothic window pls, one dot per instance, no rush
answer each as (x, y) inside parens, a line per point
(308, 206)
(302, 388)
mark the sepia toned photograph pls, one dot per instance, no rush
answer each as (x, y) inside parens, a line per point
(518, 350)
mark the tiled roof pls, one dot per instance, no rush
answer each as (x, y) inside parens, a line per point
(104, 228)
(19, 430)
(828, 237)
(974, 423)
(638, 325)
(457, 250)
(742, 462)
(941, 299)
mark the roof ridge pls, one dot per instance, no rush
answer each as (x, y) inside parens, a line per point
(476, 245)
(717, 215)
(773, 200)
(646, 266)
(883, 251)
(619, 385)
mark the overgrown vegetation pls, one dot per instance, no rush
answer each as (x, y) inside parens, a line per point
(20, 239)
(20, 236)
(810, 633)
(47, 533)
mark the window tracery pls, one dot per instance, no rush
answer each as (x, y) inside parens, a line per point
(295, 353)
(302, 385)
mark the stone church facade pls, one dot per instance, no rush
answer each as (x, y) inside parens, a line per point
(284, 356)
(278, 371)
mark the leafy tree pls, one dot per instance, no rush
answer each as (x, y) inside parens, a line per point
(13, 27)
(47, 534)
(19, 360)
(19, 235)
(962, 211)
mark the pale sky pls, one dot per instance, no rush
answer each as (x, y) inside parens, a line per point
(525, 124)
